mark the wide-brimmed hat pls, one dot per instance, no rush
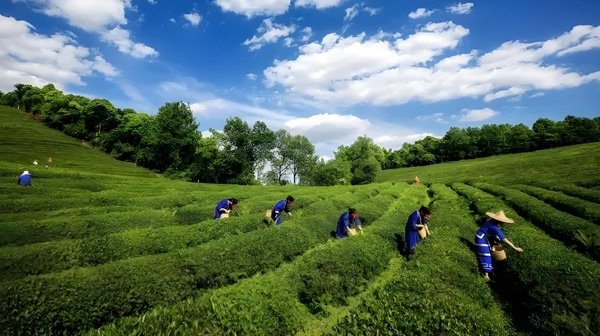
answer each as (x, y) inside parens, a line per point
(500, 216)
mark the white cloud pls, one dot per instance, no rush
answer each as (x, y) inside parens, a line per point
(372, 11)
(30, 58)
(538, 94)
(437, 117)
(288, 41)
(271, 33)
(217, 106)
(391, 69)
(251, 8)
(307, 31)
(194, 18)
(460, 8)
(420, 13)
(328, 131)
(477, 115)
(351, 12)
(318, 4)
(251, 76)
(120, 38)
(97, 16)
(173, 20)
(152, 2)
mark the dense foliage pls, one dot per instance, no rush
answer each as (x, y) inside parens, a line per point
(169, 142)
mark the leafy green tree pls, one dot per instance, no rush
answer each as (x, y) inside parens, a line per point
(330, 173)
(263, 143)
(547, 134)
(171, 140)
(521, 139)
(364, 156)
(206, 165)
(124, 142)
(280, 160)
(299, 151)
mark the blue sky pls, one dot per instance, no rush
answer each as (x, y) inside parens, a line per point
(328, 69)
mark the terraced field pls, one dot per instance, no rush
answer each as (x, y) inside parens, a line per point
(101, 247)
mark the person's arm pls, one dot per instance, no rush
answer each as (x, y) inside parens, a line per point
(518, 249)
(287, 209)
(358, 224)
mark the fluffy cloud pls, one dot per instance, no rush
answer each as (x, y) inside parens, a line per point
(420, 13)
(271, 33)
(251, 76)
(328, 131)
(97, 16)
(351, 12)
(120, 38)
(252, 8)
(194, 18)
(460, 8)
(372, 11)
(319, 4)
(437, 117)
(476, 115)
(389, 69)
(152, 2)
(307, 31)
(30, 58)
(538, 94)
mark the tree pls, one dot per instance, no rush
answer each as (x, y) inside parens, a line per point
(546, 133)
(263, 144)
(237, 157)
(205, 167)
(330, 173)
(364, 156)
(172, 138)
(280, 159)
(521, 139)
(299, 151)
(125, 140)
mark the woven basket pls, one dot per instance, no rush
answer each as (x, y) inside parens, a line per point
(224, 215)
(498, 253)
(422, 232)
(352, 232)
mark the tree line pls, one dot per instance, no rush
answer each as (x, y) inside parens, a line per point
(169, 142)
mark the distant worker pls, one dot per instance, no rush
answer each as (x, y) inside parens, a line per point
(48, 162)
(283, 205)
(343, 225)
(25, 179)
(417, 220)
(225, 206)
(487, 230)
(416, 180)
(35, 163)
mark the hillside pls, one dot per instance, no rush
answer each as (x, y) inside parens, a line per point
(572, 165)
(101, 247)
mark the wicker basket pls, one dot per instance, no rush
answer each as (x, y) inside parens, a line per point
(225, 215)
(498, 253)
(422, 232)
(268, 214)
(352, 232)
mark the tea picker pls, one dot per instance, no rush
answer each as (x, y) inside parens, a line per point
(490, 230)
(224, 207)
(25, 179)
(281, 206)
(343, 225)
(416, 221)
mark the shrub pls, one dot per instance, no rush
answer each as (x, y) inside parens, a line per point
(551, 288)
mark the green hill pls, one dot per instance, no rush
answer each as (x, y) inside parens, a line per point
(565, 165)
(101, 247)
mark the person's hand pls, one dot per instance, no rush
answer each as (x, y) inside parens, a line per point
(290, 214)
(518, 249)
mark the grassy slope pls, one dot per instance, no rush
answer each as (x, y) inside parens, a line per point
(566, 165)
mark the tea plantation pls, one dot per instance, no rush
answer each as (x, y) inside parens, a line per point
(101, 247)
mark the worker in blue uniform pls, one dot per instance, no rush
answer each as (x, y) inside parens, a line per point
(417, 220)
(282, 206)
(25, 179)
(487, 230)
(225, 206)
(343, 225)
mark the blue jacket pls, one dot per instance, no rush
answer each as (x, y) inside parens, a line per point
(281, 206)
(24, 180)
(223, 204)
(344, 223)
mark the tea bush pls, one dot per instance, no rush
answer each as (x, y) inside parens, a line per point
(551, 288)
(558, 224)
(573, 205)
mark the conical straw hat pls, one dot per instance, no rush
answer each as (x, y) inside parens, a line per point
(500, 216)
